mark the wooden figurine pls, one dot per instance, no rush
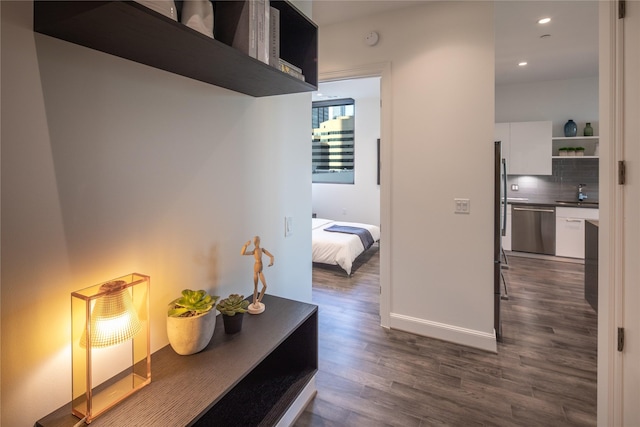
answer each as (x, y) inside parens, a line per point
(257, 306)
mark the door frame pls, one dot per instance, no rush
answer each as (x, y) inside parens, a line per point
(611, 247)
(382, 70)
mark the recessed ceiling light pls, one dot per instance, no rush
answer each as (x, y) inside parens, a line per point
(319, 94)
(522, 63)
(544, 20)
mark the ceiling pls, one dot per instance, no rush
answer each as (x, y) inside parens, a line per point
(570, 50)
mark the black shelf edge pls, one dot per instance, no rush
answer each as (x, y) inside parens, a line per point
(132, 31)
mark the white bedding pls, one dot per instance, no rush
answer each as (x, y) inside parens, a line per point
(338, 248)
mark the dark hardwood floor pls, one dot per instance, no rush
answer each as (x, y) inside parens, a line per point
(543, 375)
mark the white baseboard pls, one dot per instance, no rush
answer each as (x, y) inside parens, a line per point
(469, 337)
(299, 404)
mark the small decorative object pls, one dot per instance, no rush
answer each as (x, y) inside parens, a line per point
(232, 308)
(257, 306)
(109, 323)
(191, 321)
(562, 151)
(588, 130)
(165, 7)
(198, 14)
(579, 151)
(570, 128)
(571, 151)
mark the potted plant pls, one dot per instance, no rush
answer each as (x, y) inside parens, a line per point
(233, 308)
(579, 151)
(571, 151)
(562, 151)
(191, 321)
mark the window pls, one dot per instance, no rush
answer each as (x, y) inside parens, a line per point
(333, 142)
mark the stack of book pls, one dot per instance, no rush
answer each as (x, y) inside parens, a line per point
(290, 69)
(253, 27)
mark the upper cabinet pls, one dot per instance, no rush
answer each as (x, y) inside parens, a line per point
(526, 147)
(132, 31)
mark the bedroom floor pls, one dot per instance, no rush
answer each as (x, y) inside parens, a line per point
(543, 375)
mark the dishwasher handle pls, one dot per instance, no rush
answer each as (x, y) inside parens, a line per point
(534, 210)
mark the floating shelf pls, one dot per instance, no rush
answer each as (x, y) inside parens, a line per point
(568, 138)
(132, 31)
(575, 157)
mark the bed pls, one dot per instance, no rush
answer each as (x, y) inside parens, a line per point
(340, 247)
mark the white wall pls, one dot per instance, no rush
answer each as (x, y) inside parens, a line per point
(556, 100)
(359, 202)
(111, 167)
(442, 115)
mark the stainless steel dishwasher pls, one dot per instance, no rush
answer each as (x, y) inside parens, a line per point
(533, 229)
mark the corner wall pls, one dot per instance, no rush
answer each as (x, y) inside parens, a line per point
(110, 167)
(441, 147)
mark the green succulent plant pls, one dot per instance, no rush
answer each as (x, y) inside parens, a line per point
(233, 304)
(192, 303)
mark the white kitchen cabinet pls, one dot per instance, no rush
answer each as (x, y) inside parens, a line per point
(570, 230)
(506, 239)
(526, 147)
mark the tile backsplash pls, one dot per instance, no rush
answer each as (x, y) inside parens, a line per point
(562, 185)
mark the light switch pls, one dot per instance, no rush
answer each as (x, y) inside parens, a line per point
(462, 206)
(288, 226)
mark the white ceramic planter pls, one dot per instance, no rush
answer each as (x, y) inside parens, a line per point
(189, 335)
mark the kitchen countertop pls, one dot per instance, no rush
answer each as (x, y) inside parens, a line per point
(555, 203)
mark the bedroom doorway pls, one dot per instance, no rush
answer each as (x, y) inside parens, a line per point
(356, 200)
(382, 71)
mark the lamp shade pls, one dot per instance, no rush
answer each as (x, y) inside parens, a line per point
(114, 319)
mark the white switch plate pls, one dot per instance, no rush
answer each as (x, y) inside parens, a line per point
(288, 226)
(462, 206)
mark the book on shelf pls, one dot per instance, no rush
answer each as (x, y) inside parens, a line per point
(263, 11)
(274, 37)
(236, 25)
(290, 69)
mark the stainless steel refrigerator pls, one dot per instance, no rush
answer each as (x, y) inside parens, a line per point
(500, 229)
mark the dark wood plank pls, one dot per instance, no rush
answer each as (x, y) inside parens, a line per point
(543, 375)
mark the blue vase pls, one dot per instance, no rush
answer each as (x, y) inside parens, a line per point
(570, 128)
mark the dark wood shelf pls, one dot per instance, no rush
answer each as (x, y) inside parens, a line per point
(130, 30)
(251, 378)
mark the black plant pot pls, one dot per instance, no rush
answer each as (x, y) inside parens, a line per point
(232, 324)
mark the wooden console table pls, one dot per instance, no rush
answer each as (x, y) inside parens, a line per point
(262, 376)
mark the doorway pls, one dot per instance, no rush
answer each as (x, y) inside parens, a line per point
(382, 71)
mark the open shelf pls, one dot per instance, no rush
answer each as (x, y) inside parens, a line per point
(132, 31)
(568, 138)
(588, 142)
(575, 157)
